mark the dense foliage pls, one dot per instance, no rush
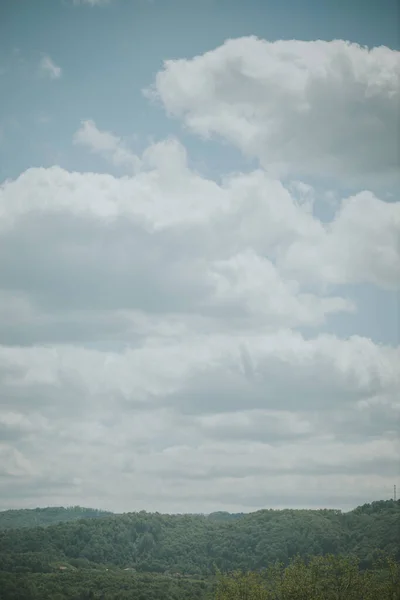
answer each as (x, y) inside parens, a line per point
(320, 578)
(41, 517)
(194, 544)
(111, 585)
(143, 555)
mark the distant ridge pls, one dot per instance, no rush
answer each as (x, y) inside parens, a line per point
(43, 517)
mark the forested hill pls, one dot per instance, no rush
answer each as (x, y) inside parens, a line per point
(194, 544)
(42, 517)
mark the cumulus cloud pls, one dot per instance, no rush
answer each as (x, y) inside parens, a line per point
(364, 227)
(320, 108)
(106, 144)
(164, 332)
(49, 68)
(147, 318)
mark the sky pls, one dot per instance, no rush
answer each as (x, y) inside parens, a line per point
(199, 254)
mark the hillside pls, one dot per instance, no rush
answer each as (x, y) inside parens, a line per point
(42, 517)
(195, 544)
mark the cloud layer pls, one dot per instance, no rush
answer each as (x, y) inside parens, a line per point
(163, 341)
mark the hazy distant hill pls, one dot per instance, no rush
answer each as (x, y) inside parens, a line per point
(42, 517)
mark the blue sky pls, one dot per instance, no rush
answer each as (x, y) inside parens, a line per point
(205, 283)
(110, 53)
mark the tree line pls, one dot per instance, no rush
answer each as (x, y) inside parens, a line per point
(42, 517)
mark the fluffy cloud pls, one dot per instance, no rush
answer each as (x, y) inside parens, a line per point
(49, 68)
(107, 145)
(364, 228)
(163, 333)
(131, 311)
(320, 108)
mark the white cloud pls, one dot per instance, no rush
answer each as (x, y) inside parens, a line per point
(361, 244)
(114, 412)
(161, 247)
(251, 227)
(164, 335)
(255, 282)
(93, 2)
(49, 68)
(320, 108)
(147, 321)
(106, 144)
